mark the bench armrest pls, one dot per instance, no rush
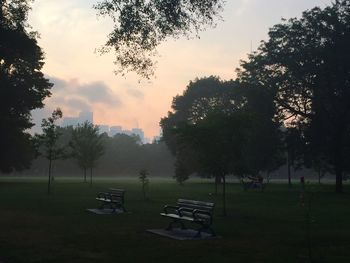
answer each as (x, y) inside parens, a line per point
(185, 209)
(104, 195)
(197, 212)
(166, 207)
(116, 198)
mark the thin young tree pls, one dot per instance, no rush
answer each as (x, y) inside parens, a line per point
(144, 181)
(48, 142)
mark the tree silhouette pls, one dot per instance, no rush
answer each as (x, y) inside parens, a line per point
(143, 173)
(87, 146)
(23, 86)
(306, 64)
(48, 141)
(140, 26)
(225, 126)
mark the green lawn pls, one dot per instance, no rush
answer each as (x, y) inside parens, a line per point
(260, 227)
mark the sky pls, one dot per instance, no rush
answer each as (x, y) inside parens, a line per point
(70, 32)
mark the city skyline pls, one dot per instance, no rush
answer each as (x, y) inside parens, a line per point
(87, 116)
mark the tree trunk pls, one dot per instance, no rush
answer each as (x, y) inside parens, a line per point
(49, 182)
(217, 182)
(143, 190)
(224, 195)
(338, 179)
(289, 172)
(319, 175)
(84, 174)
(90, 176)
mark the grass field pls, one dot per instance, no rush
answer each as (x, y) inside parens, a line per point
(260, 227)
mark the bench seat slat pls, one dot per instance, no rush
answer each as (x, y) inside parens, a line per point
(186, 218)
(107, 200)
(195, 207)
(194, 202)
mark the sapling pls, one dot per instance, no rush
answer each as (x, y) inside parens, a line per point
(144, 181)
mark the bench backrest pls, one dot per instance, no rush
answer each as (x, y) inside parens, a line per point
(193, 204)
(117, 193)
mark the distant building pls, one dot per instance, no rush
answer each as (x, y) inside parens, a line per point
(86, 116)
(70, 121)
(74, 121)
(115, 130)
(139, 132)
(103, 129)
(127, 132)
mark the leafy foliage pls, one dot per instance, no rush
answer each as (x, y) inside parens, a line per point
(87, 146)
(48, 141)
(23, 85)
(141, 25)
(306, 64)
(219, 128)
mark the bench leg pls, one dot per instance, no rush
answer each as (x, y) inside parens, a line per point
(208, 228)
(102, 206)
(213, 234)
(119, 206)
(170, 226)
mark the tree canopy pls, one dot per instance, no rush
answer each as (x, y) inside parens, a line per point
(141, 25)
(225, 128)
(306, 64)
(87, 146)
(219, 128)
(23, 86)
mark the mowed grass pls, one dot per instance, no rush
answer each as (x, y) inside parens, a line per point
(264, 226)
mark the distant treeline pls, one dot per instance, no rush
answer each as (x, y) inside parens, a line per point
(124, 155)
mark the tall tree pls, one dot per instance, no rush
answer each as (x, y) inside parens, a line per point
(307, 64)
(23, 86)
(200, 98)
(226, 129)
(87, 146)
(218, 142)
(48, 142)
(141, 25)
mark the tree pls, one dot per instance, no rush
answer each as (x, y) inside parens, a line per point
(48, 140)
(218, 144)
(200, 98)
(226, 129)
(140, 26)
(306, 64)
(144, 181)
(23, 86)
(87, 146)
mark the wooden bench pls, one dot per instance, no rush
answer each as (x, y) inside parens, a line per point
(197, 212)
(253, 183)
(114, 198)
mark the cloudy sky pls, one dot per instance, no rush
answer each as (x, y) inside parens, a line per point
(70, 32)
